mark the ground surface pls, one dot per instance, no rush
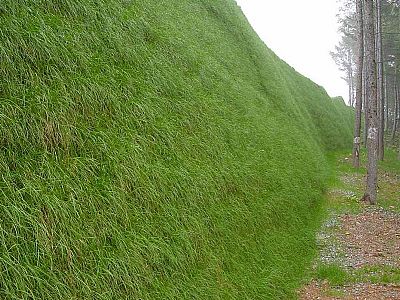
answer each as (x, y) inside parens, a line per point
(359, 244)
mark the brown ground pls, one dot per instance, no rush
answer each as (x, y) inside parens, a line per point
(363, 291)
(372, 238)
(353, 241)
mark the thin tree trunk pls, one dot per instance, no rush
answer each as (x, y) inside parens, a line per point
(349, 77)
(366, 121)
(350, 88)
(396, 97)
(397, 111)
(398, 153)
(359, 85)
(380, 100)
(397, 122)
(372, 114)
(365, 85)
(386, 103)
(351, 81)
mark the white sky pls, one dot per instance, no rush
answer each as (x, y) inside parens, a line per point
(301, 32)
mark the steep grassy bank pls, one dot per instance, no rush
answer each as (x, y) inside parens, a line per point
(154, 150)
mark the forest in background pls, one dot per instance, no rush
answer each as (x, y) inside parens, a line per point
(345, 55)
(369, 55)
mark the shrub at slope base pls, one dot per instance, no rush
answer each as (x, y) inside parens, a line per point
(154, 150)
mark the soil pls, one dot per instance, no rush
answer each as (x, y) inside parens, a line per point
(367, 239)
(361, 291)
(372, 238)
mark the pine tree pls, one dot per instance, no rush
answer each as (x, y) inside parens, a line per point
(381, 103)
(372, 114)
(359, 83)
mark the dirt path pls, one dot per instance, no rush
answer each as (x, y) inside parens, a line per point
(359, 245)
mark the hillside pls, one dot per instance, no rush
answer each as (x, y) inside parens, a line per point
(155, 150)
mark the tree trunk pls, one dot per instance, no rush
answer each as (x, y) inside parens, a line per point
(396, 97)
(386, 106)
(379, 57)
(397, 122)
(365, 86)
(397, 111)
(359, 84)
(349, 73)
(398, 153)
(366, 99)
(350, 87)
(372, 113)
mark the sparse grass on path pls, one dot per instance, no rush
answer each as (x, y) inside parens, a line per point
(359, 245)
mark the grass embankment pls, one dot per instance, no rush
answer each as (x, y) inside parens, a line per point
(155, 150)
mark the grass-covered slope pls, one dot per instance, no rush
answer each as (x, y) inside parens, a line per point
(154, 150)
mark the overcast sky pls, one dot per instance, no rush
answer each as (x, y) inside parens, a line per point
(301, 33)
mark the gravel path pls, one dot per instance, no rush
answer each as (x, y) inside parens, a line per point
(369, 238)
(361, 291)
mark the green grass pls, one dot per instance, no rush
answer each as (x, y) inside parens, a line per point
(391, 163)
(389, 191)
(378, 275)
(338, 276)
(155, 150)
(334, 274)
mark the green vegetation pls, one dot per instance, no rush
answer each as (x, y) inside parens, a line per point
(338, 276)
(377, 275)
(155, 150)
(334, 274)
(391, 163)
